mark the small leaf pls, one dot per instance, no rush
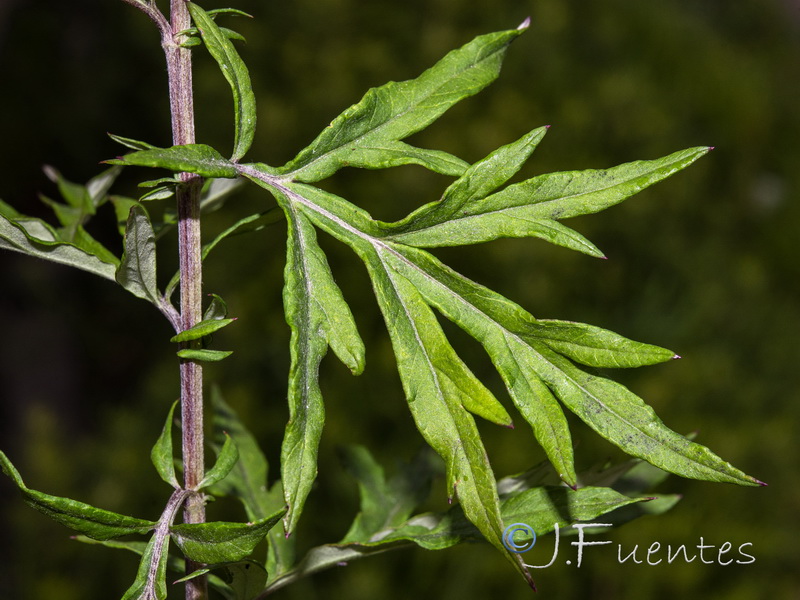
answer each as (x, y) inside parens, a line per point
(204, 354)
(99, 185)
(396, 110)
(215, 12)
(137, 270)
(384, 504)
(173, 181)
(219, 542)
(235, 71)
(190, 158)
(248, 224)
(201, 330)
(248, 579)
(226, 460)
(122, 209)
(76, 195)
(132, 144)
(161, 454)
(216, 192)
(94, 522)
(232, 35)
(35, 238)
(159, 193)
(247, 480)
(190, 41)
(218, 309)
(193, 575)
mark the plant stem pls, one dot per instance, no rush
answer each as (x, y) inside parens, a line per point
(179, 67)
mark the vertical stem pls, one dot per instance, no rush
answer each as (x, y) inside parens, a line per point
(179, 67)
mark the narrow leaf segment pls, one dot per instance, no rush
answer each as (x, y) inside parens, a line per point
(94, 522)
(319, 317)
(233, 68)
(368, 134)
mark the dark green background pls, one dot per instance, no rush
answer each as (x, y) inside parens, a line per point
(705, 264)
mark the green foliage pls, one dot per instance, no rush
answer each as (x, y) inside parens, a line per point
(536, 359)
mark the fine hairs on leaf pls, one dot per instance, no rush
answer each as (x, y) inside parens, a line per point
(546, 365)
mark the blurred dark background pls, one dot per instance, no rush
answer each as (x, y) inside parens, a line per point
(704, 264)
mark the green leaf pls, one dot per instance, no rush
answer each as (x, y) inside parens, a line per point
(99, 185)
(542, 508)
(151, 577)
(219, 542)
(384, 504)
(435, 389)
(161, 454)
(247, 480)
(174, 564)
(318, 316)
(523, 356)
(226, 460)
(35, 238)
(191, 158)
(217, 309)
(130, 143)
(248, 579)
(76, 195)
(396, 110)
(624, 419)
(201, 330)
(204, 354)
(214, 12)
(137, 270)
(248, 224)
(122, 209)
(235, 72)
(532, 208)
(159, 193)
(9, 212)
(596, 347)
(216, 192)
(94, 522)
(477, 182)
(81, 204)
(170, 181)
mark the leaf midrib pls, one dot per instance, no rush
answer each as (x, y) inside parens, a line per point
(542, 203)
(388, 248)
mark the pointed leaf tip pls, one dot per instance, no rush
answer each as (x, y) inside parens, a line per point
(525, 24)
